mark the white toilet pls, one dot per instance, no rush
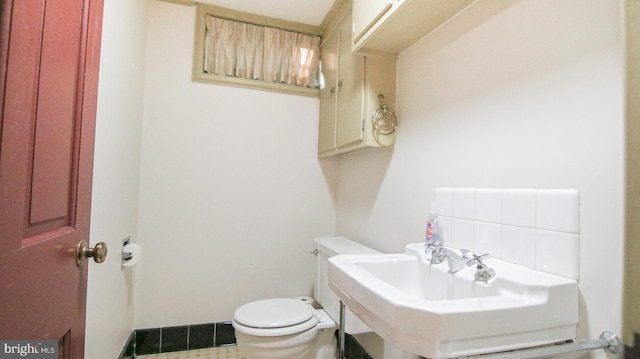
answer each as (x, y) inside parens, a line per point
(291, 328)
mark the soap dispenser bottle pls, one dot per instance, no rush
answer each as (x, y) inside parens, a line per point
(433, 228)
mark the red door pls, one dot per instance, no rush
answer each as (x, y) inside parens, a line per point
(49, 53)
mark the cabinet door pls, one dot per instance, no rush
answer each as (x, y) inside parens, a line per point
(350, 91)
(366, 13)
(328, 94)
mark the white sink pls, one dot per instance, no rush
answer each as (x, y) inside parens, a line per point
(423, 309)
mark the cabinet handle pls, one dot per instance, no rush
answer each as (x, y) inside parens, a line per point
(339, 84)
(333, 89)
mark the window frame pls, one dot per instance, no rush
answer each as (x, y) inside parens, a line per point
(198, 74)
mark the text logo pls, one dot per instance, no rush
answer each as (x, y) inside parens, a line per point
(41, 349)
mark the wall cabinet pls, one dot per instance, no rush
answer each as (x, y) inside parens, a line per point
(388, 27)
(349, 97)
(366, 13)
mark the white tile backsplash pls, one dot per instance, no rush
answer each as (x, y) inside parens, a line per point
(462, 233)
(488, 238)
(445, 230)
(443, 201)
(488, 205)
(463, 203)
(554, 208)
(537, 228)
(519, 207)
(519, 245)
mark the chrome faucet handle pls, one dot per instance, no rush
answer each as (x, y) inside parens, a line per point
(477, 259)
(438, 254)
(432, 242)
(431, 247)
(483, 273)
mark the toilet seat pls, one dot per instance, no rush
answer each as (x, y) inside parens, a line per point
(275, 317)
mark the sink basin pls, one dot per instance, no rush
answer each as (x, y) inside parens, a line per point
(423, 309)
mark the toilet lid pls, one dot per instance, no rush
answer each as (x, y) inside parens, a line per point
(274, 313)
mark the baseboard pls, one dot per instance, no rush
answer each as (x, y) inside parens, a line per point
(200, 336)
(178, 338)
(353, 349)
(129, 350)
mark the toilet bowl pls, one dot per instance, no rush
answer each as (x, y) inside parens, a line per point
(291, 328)
(284, 328)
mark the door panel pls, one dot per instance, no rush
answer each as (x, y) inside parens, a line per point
(350, 94)
(57, 86)
(50, 55)
(327, 124)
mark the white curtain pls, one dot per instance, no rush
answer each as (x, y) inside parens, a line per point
(249, 51)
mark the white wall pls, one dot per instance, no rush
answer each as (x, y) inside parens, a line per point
(231, 193)
(116, 174)
(531, 97)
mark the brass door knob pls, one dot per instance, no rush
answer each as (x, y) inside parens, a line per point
(99, 252)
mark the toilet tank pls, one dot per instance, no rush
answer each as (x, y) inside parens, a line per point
(329, 247)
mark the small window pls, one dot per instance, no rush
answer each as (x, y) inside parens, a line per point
(245, 50)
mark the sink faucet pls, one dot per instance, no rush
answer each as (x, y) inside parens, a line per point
(439, 254)
(454, 261)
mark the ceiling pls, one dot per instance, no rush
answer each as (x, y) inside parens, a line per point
(310, 12)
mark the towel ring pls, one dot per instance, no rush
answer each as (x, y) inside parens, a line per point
(384, 120)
